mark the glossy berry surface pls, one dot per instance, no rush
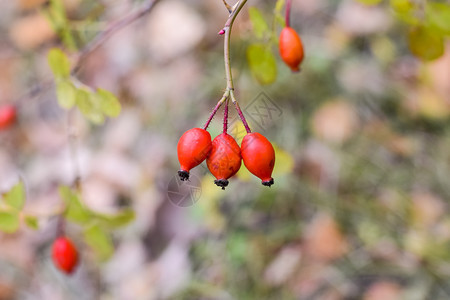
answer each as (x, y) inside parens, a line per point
(193, 148)
(7, 116)
(224, 159)
(258, 156)
(291, 48)
(64, 255)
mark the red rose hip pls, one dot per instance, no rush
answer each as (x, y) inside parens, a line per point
(7, 116)
(193, 147)
(224, 159)
(258, 156)
(64, 255)
(291, 48)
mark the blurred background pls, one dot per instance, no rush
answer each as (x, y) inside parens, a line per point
(359, 209)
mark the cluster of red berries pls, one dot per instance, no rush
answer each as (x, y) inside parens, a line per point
(223, 155)
(64, 255)
(7, 116)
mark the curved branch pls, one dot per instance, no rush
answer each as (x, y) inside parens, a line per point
(98, 40)
(230, 9)
(111, 30)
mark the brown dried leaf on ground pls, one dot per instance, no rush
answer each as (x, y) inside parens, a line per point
(324, 240)
(31, 31)
(335, 121)
(383, 290)
(282, 267)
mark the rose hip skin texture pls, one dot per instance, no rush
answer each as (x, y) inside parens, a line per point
(193, 147)
(7, 116)
(291, 48)
(64, 254)
(224, 159)
(258, 156)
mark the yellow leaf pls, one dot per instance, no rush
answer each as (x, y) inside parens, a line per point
(284, 163)
(431, 105)
(244, 174)
(209, 204)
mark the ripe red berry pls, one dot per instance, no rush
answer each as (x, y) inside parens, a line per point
(291, 48)
(193, 147)
(7, 116)
(224, 159)
(258, 156)
(64, 254)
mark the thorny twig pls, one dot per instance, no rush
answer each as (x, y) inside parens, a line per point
(98, 40)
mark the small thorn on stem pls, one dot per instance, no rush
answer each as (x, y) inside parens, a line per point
(221, 32)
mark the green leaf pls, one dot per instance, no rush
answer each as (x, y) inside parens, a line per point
(279, 6)
(109, 104)
(59, 63)
(438, 16)
(32, 222)
(9, 221)
(237, 248)
(16, 196)
(262, 63)
(401, 6)
(56, 14)
(405, 10)
(115, 221)
(279, 17)
(66, 93)
(86, 103)
(99, 241)
(425, 43)
(260, 27)
(370, 2)
(75, 212)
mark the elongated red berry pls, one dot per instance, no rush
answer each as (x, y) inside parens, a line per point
(224, 159)
(258, 156)
(291, 48)
(193, 147)
(7, 116)
(64, 254)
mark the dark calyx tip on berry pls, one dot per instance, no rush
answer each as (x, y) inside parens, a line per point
(222, 183)
(184, 175)
(268, 182)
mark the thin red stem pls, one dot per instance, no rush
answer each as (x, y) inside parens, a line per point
(241, 115)
(288, 13)
(225, 118)
(60, 227)
(216, 108)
